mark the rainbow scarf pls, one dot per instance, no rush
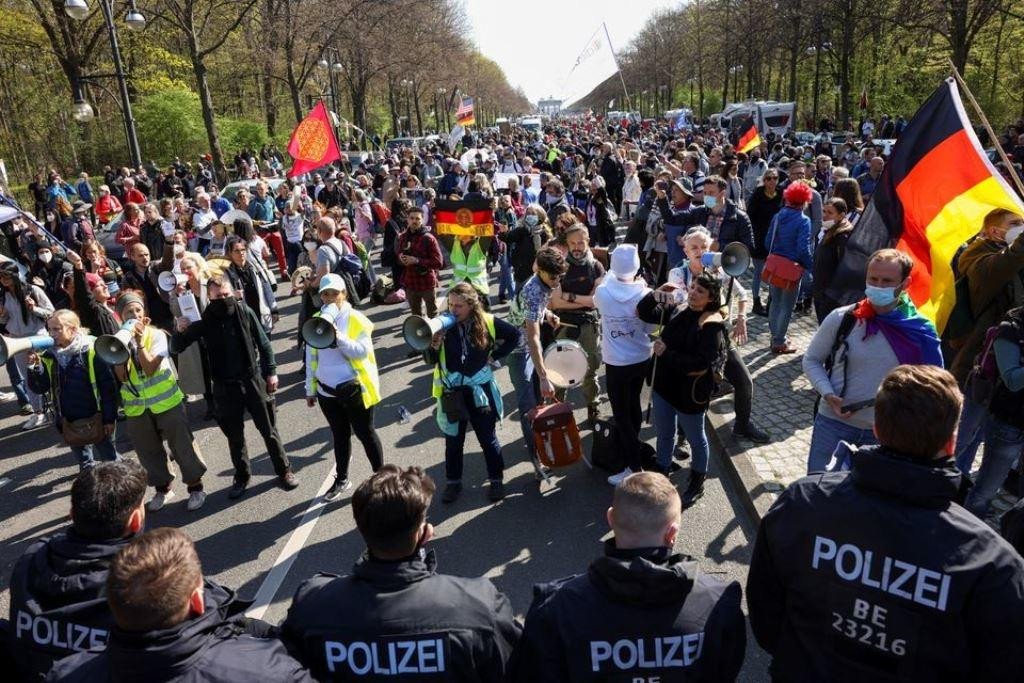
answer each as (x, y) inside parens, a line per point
(911, 335)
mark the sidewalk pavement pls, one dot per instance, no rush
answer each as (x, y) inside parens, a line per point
(783, 405)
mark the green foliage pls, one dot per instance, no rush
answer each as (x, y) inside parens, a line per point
(170, 124)
(236, 134)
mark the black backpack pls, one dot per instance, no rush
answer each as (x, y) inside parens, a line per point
(350, 268)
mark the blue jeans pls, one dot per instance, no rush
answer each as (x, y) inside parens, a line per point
(780, 313)
(17, 382)
(666, 418)
(483, 424)
(973, 420)
(826, 436)
(104, 451)
(506, 285)
(1003, 445)
(292, 251)
(526, 395)
(755, 285)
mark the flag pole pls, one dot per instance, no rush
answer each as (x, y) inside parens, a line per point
(988, 127)
(629, 100)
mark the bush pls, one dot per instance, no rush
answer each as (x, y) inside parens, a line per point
(170, 124)
(236, 134)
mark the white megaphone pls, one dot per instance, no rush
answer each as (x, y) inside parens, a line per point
(734, 259)
(113, 348)
(319, 331)
(168, 280)
(419, 331)
(11, 346)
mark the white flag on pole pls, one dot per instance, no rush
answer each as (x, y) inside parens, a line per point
(593, 66)
(455, 137)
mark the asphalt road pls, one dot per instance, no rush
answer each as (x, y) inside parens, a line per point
(536, 533)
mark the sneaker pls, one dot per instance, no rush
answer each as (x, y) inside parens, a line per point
(33, 421)
(681, 453)
(616, 479)
(288, 481)
(339, 486)
(752, 432)
(27, 410)
(196, 500)
(496, 491)
(694, 489)
(159, 499)
(7, 396)
(451, 491)
(238, 489)
(43, 419)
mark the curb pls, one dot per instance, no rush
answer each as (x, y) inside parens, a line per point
(755, 494)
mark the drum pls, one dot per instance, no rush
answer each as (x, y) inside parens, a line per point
(566, 363)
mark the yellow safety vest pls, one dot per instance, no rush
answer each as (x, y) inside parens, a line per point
(158, 392)
(365, 368)
(90, 366)
(472, 269)
(441, 369)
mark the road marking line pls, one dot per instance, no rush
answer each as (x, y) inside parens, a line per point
(279, 570)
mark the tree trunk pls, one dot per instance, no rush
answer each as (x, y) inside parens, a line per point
(293, 87)
(206, 100)
(419, 117)
(269, 108)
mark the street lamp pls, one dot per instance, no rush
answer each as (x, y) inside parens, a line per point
(81, 110)
(331, 69)
(78, 10)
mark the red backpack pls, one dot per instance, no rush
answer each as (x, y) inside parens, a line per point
(555, 434)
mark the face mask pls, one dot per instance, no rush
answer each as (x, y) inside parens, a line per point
(827, 224)
(1013, 233)
(179, 249)
(531, 220)
(221, 308)
(710, 202)
(310, 246)
(880, 296)
(46, 256)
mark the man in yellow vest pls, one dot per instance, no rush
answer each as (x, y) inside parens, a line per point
(155, 409)
(469, 264)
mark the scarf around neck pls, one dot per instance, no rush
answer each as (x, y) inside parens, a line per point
(911, 335)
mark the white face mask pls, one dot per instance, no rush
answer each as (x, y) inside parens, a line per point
(310, 246)
(827, 224)
(46, 256)
(1013, 233)
(179, 249)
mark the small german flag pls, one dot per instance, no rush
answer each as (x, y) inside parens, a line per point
(749, 137)
(472, 217)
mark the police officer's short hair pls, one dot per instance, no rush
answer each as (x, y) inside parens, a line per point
(644, 503)
(391, 506)
(104, 496)
(151, 579)
(917, 409)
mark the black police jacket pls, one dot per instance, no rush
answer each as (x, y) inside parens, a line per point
(640, 614)
(58, 605)
(401, 620)
(213, 647)
(878, 575)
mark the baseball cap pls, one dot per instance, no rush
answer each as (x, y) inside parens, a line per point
(332, 281)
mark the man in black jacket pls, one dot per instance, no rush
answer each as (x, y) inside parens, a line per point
(170, 625)
(878, 574)
(395, 616)
(237, 345)
(57, 587)
(640, 613)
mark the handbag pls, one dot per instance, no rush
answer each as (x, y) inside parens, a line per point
(84, 432)
(780, 271)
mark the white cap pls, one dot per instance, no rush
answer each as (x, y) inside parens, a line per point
(332, 281)
(625, 261)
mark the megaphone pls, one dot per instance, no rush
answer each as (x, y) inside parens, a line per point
(419, 331)
(734, 259)
(11, 346)
(168, 280)
(113, 348)
(319, 332)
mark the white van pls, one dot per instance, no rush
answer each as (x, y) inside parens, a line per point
(776, 117)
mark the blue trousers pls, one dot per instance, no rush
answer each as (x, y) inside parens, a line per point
(506, 285)
(826, 436)
(103, 451)
(17, 382)
(1003, 444)
(483, 424)
(780, 313)
(665, 420)
(973, 419)
(526, 395)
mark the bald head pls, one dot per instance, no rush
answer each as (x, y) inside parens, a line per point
(645, 511)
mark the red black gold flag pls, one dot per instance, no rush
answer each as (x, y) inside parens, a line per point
(472, 217)
(932, 196)
(749, 137)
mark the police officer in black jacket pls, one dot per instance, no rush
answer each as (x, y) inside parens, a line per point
(237, 346)
(395, 617)
(171, 626)
(640, 613)
(57, 588)
(878, 574)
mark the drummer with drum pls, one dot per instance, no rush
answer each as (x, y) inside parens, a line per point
(575, 308)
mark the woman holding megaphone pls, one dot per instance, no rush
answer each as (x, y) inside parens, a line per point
(81, 389)
(341, 375)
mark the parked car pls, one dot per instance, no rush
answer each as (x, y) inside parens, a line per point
(394, 144)
(230, 190)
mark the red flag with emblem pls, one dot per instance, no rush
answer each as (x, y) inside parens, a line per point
(313, 143)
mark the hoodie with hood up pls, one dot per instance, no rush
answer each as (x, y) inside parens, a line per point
(624, 339)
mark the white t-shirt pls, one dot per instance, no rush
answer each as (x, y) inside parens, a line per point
(292, 227)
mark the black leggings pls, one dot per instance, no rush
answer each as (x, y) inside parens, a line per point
(347, 414)
(625, 383)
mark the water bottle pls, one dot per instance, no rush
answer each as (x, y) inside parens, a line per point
(404, 416)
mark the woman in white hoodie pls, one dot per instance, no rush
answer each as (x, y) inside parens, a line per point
(626, 349)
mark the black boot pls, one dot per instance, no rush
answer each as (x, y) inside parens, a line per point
(759, 308)
(694, 489)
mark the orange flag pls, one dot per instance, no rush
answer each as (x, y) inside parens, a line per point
(313, 143)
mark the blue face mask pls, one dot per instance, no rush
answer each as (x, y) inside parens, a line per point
(710, 202)
(531, 220)
(880, 296)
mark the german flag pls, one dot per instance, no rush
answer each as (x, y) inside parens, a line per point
(472, 217)
(932, 196)
(749, 137)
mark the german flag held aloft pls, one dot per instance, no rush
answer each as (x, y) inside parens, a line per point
(749, 137)
(932, 196)
(472, 217)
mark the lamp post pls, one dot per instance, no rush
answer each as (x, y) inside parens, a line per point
(331, 69)
(815, 51)
(663, 96)
(407, 84)
(81, 110)
(735, 70)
